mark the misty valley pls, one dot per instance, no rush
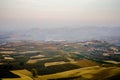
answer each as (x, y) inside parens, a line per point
(59, 39)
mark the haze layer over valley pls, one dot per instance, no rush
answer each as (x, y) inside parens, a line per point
(63, 34)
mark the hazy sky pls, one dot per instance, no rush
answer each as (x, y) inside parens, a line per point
(58, 13)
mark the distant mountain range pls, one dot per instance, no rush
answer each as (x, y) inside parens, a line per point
(64, 34)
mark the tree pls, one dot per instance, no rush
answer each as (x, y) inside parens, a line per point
(34, 72)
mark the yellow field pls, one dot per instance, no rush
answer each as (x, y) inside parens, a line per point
(91, 73)
(33, 61)
(86, 63)
(24, 75)
(111, 61)
(54, 63)
(7, 52)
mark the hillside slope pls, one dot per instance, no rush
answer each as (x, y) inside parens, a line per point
(87, 73)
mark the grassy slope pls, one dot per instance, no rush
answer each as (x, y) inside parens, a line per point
(86, 63)
(24, 75)
(91, 73)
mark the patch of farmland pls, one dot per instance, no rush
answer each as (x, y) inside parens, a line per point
(24, 75)
(57, 68)
(86, 63)
(54, 63)
(111, 61)
(88, 73)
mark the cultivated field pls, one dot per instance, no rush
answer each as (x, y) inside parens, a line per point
(88, 73)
